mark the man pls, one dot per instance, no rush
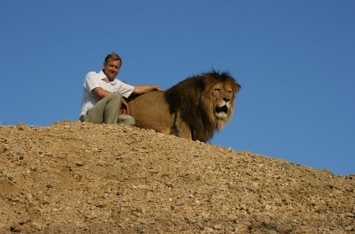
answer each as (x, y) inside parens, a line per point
(102, 97)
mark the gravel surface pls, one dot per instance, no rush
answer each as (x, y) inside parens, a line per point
(74, 177)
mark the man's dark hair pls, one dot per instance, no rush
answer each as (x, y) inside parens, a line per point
(113, 56)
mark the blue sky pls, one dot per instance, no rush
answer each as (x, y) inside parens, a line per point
(295, 61)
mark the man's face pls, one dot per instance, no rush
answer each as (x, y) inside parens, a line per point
(111, 68)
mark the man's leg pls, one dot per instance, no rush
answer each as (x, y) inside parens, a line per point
(106, 110)
(126, 119)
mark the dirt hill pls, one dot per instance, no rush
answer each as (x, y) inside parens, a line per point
(77, 177)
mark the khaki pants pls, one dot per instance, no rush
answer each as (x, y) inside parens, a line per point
(107, 111)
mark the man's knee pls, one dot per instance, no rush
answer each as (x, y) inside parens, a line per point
(115, 95)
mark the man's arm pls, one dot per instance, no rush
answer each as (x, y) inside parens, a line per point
(100, 92)
(140, 89)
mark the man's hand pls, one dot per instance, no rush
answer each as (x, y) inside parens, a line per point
(124, 107)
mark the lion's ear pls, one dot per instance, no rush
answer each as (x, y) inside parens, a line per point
(201, 84)
(236, 87)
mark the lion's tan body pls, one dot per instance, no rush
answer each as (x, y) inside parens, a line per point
(151, 111)
(194, 108)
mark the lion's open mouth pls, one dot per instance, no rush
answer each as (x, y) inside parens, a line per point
(221, 111)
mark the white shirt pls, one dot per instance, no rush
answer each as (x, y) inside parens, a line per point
(94, 80)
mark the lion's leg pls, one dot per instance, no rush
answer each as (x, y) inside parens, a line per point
(185, 131)
(182, 128)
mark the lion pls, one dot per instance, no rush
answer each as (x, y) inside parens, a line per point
(193, 109)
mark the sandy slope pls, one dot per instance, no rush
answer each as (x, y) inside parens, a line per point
(76, 177)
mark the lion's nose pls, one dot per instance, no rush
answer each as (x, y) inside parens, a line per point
(226, 99)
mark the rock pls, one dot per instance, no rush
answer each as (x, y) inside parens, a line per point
(75, 177)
